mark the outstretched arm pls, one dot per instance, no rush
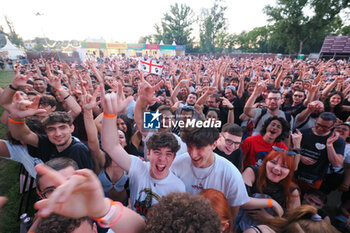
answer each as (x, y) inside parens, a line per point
(19, 110)
(97, 155)
(71, 103)
(112, 104)
(248, 108)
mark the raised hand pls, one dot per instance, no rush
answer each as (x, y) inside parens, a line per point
(79, 196)
(22, 108)
(334, 137)
(89, 102)
(226, 102)
(19, 80)
(114, 103)
(296, 138)
(146, 91)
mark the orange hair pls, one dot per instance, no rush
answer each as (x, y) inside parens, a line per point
(219, 203)
(287, 182)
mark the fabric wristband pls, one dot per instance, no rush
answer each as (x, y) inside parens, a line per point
(269, 201)
(109, 115)
(15, 122)
(105, 220)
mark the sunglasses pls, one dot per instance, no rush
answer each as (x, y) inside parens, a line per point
(300, 96)
(291, 153)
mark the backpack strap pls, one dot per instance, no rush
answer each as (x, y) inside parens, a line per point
(263, 112)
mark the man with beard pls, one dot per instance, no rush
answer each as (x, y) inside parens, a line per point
(320, 147)
(273, 102)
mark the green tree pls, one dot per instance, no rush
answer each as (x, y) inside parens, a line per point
(176, 25)
(297, 32)
(13, 36)
(143, 39)
(213, 23)
(40, 44)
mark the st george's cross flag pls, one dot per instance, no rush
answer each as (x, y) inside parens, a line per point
(151, 66)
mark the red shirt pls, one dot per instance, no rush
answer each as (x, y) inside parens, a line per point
(255, 148)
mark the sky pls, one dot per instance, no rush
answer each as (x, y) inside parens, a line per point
(113, 20)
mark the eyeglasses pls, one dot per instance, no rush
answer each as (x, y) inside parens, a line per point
(47, 191)
(229, 142)
(299, 96)
(291, 153)
(325, 127)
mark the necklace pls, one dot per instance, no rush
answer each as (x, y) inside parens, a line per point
(201, 179)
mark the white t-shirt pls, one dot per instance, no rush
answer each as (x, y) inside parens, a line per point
(222, 176)
(145, 191)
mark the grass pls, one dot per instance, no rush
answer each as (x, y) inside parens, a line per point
(9, 179)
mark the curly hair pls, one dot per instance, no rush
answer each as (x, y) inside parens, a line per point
(182, 213)
(57, 224)
(285, 128)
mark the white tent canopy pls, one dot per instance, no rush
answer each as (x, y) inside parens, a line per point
(11, 51)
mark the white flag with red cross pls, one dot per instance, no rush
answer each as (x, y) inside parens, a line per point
(151, 66)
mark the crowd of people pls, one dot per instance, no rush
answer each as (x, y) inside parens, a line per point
(281, 145)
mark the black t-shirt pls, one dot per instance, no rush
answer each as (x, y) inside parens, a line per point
(294, 110)
(76, 151)
(274, 190)
(235, 157)
(315, 147)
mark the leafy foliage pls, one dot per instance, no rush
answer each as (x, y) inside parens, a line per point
(213, 23)
(176, 25)
(294, 29)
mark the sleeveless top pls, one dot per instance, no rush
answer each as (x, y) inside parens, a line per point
(107, 184)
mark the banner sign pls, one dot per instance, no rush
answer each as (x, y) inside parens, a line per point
(93, 45)
(152, 46)
(116, 45)
(167, 47)
(180, 47)
(136, 46)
